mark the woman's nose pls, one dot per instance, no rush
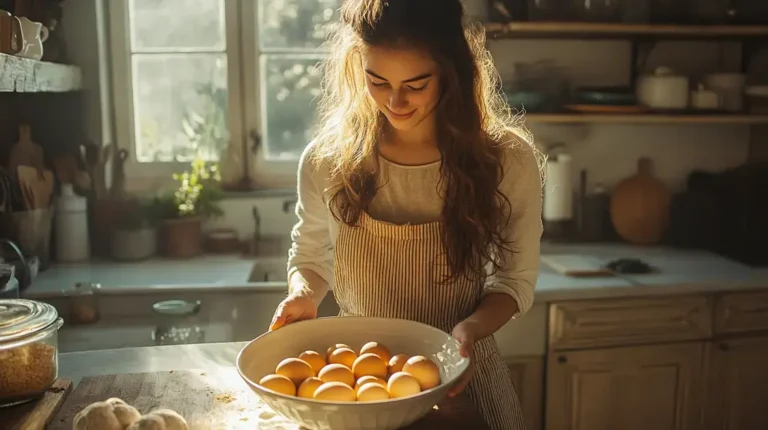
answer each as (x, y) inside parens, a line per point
(397, 100)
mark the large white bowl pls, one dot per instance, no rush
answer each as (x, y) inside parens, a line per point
(261, 356)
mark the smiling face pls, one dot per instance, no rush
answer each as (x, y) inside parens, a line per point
(404, 83)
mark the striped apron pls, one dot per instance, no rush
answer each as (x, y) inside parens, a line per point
(394, 271)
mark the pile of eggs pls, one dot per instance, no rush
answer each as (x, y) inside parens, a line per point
(343, 375)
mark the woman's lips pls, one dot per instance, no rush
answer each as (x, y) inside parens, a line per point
(401, 116)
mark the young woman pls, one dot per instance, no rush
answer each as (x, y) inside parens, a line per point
(419, 197)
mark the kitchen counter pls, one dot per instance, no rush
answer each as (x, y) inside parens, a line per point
(76, 365)
(678, 271)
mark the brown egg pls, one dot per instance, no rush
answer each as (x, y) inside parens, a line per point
(295, 369)
(378, 349)
(402, 384)
(337, 373)
(369, 365)
(372, 392)
(278, 383)
(315, 360)
(309, 386)
(334, 348)
(396, 363)
(343, 356)
(335, 392)
(424, 370)
(369, 379)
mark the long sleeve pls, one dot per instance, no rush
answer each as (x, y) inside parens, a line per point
(312, 246)
(520, 268)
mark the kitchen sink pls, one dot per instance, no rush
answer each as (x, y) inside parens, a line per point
(269, 270)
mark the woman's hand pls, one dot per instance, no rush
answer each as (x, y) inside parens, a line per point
(466, 333)
(295, 307)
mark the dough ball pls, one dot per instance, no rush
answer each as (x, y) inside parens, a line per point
(309, 386)
(335, 392)
(402, 384)
(295, 369)
(397, 362)
(369, 379)
(315, 360)
(372, 392)
(334, 348)
(424, 370)
(369, 365)
(378, 349)
(337, 373)
(279, 383)
(343, 356)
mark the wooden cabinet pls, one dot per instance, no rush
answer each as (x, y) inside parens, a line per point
(738, 381)
(643, 387)
(527, 375)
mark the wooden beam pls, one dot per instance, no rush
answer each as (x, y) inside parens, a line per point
(24, 75)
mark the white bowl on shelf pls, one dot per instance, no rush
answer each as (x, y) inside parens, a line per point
(260, 357)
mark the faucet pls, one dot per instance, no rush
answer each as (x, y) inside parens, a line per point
(256, 231)
(289, 206)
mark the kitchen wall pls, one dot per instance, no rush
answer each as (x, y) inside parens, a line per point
(608, 152)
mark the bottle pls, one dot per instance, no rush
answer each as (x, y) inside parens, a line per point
(72, 244)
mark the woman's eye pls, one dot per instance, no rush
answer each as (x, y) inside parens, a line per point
(379, 84)
(421, 88)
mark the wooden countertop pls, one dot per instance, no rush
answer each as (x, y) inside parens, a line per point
(219, 398)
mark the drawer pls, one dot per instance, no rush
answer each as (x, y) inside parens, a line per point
(623, 322)
(741, 312)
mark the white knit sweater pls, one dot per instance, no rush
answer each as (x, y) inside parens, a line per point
(409, 195)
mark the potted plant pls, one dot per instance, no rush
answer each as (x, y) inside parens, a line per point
(182, 211)
(135, 235)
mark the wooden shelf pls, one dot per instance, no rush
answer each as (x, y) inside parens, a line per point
(572, 118)
(549, 30)
(23, 75)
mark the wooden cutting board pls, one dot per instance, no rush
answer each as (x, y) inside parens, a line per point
(37, 414)
(577, 266)
(218, 400)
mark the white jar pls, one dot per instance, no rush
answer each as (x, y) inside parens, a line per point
(72, 244)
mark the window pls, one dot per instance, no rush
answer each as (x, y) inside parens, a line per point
(202, 80)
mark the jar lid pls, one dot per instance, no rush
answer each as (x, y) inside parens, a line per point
(177, 307)
(21, 318)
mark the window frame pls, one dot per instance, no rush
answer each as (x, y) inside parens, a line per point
(244, 99)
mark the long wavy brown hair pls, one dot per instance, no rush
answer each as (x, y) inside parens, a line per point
(473, 121)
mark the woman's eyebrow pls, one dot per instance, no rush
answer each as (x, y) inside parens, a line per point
(414, 79)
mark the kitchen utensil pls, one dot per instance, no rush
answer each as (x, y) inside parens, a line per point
(72, 243)
(94, 158)
(729, 88)
(10, 34)
(33, 34)
(640, 206)
(663, 89)
(704, 99)
(576, 266)
(558, 195)
(260, 357)
(219, 399)
(608, 96)
(39, 413)
(36, 186)
(28, 349)
(118, 173)
(757, 99)
(26, 152)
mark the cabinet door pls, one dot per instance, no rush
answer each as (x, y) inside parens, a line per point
(528, 378)
(739, 380)
(645, 387)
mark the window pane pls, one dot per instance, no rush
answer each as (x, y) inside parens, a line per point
(296, 24)
(177, 24)
(180, 106)
(291, 91)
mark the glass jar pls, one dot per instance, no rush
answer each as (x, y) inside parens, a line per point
(83, 304)
(179, 324)
(28, 349)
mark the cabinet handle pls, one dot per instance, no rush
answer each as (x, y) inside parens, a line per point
(561, 359)
(723, 347)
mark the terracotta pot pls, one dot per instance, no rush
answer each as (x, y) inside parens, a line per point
(182, 238)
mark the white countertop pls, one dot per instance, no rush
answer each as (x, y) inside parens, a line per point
(679, 271)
